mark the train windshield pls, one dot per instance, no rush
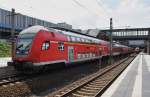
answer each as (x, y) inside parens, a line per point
(24, 42)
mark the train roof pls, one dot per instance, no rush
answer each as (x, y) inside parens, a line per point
(33, 29)
(71, 32)
(120, 45)
(68, 32)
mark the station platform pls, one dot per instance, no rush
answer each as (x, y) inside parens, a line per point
(134, 81)
(4, 60)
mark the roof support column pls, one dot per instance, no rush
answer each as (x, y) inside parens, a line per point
(148, 42)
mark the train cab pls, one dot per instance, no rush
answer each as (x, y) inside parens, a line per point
(23, 44)
(27, 42)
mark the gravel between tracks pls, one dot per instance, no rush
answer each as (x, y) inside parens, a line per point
(14, 90)
(46, 83)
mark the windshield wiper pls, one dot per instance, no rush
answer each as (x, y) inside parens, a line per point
(27, 47)
(19, 46)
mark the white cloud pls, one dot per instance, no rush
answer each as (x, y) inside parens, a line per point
(132, 12)
(92, 15)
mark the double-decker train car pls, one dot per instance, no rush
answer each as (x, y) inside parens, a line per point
(137, 50)
(38, 46)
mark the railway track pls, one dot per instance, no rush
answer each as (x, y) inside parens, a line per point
(11, 79)
(8, 75)
(95, 84)
(7, 71)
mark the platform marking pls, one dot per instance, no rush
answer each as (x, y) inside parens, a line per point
(111, 90)
(137, 90)
(4, 60)
(147, 59)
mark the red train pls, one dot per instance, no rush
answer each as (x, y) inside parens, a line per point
(38, 46)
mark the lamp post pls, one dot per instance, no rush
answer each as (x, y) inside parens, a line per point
(13, 32)
(12, 15)
(111, 42)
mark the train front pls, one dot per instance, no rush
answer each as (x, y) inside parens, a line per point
(26, 52)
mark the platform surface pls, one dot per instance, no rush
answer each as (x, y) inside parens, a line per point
(134, 81)
(4, 60)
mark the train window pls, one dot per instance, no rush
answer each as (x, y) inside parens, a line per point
(78, 39)
(86, 41)
(68, 38)
(83, 55)
(89, 41)
(86, 55)
(82, 40)
(60, 46)
(79, 56)
(73, 39)
(90, 54)
(46, 45)
(93, 55)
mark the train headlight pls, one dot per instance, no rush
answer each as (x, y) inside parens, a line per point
(26, 52)
(17, 52)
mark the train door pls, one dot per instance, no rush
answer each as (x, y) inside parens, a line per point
(100, 51)
(70, 53)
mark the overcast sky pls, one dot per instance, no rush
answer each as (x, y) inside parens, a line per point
(85, 14)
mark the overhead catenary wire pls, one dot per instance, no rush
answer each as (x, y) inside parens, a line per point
(107, 12)
(84, 7)
(100, 4)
